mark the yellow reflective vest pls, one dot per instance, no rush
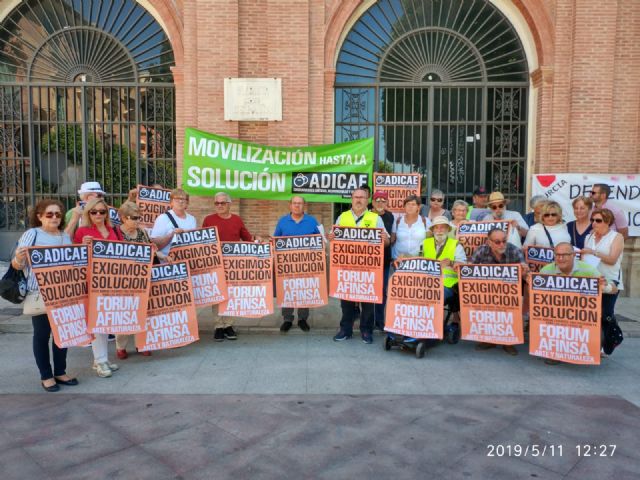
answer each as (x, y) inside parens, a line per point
(450, 277)
(369, 220)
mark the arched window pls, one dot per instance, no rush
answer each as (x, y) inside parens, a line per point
(443, 88)
(86, 93)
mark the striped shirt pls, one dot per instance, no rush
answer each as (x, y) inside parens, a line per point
(39, 238)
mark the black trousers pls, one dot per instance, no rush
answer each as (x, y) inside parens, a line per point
(41, 336)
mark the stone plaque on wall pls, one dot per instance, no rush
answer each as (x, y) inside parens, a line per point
(253, 99)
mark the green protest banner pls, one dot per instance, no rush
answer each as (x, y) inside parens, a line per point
(323, 173)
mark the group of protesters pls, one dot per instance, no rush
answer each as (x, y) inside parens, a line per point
(428, 231)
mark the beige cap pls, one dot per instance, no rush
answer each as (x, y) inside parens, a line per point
(441, 220)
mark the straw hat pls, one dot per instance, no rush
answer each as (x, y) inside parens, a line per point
(441, 220)
(496, 197)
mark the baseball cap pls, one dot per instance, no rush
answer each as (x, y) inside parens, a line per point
(380, 194)
(480, 191)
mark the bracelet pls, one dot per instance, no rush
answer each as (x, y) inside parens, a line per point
(21, 265)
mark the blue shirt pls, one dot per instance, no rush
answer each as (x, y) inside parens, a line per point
(288, 227)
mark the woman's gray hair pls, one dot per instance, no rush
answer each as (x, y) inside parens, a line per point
(535, 200)
(438, 193)
(459, 203)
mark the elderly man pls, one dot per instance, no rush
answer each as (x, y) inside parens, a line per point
(499, 251)
(230, 229)
(600, 193)
(380, 202)
(296, 223)
(566, 264)
(450, 253)
(498, 206)
(358, 216)
(88, 191)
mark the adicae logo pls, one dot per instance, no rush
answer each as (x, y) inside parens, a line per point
(226, 248)
(379, 180)
(337, 232)
(533, 252)
(301, 180)
(143, 193)
(538, 281)
(36, 257)
(280, 243)
(99, 248)
(466, 271)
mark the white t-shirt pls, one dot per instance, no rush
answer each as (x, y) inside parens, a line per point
(409, 238)
(163, 226)
(537, 236)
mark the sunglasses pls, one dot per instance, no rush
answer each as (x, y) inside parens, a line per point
(135, 218)
(53, 214)
(550, 215)
(97, 212)
(597, 220)
(220, 203)
(498, 242)
(495, 207)
(433, 199)
(594, 192)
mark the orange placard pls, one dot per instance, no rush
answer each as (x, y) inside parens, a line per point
(564, 322)
(415, 299)
(356, 268)
(399, 186)
(119, 281)
(537, 257)
(151, 203)
(301, 273)
(472, 235)
(249, 272)
(171, 315)
(61, 273)
(491, 303)
(200, 248)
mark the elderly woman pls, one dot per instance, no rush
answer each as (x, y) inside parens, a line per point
(607, 245)
(436, 206)
(409, 230)
(47, 224)
(581, 226)
(459, 210)
(550, 231)
(96, 224)
(131, 232)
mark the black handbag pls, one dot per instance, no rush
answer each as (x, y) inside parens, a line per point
(13, 286)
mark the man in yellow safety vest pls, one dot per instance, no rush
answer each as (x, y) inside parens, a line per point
(450, 253)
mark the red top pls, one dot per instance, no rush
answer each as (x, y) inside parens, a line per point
(93, 232)
(230, 229)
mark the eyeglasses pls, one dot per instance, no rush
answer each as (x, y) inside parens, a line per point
(220, 203)
(597, 220)
(180, 199)
(135, 218)
(550, 215)
(498, 242)
(434, 199)
(495, 207)
(53, 214)
(381, 200)
(97, 212)
(564, 255)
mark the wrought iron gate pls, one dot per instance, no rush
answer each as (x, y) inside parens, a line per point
(86, 93)
(443, 88)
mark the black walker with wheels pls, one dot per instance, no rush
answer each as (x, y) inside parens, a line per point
(419, 345)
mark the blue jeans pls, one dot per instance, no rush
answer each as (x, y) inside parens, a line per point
(379, 308)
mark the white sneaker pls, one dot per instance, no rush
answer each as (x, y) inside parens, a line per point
(103, 370)
(112, 366)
